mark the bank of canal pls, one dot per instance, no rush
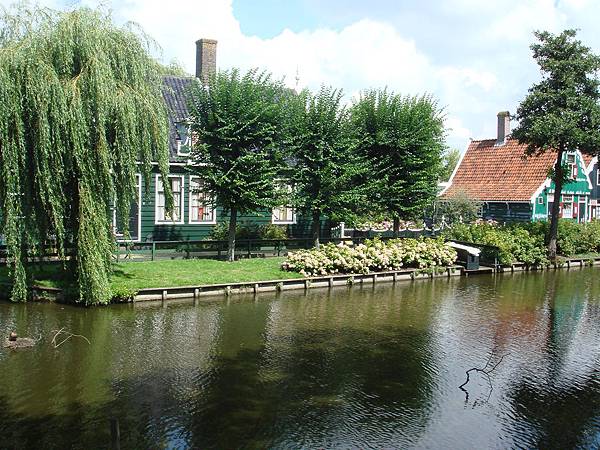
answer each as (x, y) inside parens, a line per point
(373, 366)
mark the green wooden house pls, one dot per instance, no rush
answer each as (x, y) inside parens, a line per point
(512, 187)
(193, 217)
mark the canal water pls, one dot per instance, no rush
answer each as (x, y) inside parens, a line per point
(360, 367)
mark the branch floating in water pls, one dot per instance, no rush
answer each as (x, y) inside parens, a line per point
(62, 332)
(484, 371)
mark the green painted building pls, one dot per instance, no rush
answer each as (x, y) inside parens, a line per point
(512, 187)
(193, 217)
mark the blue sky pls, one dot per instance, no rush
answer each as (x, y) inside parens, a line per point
(472, 55)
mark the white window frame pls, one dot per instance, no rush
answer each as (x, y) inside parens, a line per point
(120, 237)
(213, 221)
(568, 198)
(274, 219)
(567, 206)
(181, 201)
(571, 158)
(479, 212)
(540, 200)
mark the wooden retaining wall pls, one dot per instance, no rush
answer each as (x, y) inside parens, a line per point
(256, 287)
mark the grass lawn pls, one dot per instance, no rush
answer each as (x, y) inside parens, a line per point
(131, 276)
(189, 272)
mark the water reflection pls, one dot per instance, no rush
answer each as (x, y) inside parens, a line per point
(353, 367)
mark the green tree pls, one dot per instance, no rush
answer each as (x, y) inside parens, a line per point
(561, 112)
(80, 104)
(325, 173)
(449, 162)
(460, 208)
(236, 124)
(403, 140)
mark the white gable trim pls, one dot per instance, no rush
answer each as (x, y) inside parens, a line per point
(588, 169)
(460, 160)
(538, 191)
(587, 175)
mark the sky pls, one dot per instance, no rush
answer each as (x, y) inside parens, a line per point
(473, 56)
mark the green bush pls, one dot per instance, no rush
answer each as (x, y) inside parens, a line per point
(589, 237)
(573, 238)
(372, 256)
(514, 242)
(220, 232)
(272, 231)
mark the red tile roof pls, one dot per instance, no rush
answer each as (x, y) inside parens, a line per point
(500, 173)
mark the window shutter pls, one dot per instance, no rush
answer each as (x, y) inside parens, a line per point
(574, 171)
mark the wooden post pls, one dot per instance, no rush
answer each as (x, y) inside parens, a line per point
(255, 288)
(330, 282)
(374, 278)
(196, 293)
(153, 250)
(164, 295)
(306, 284)
(249, 249)
(395, 276)
(115, 434)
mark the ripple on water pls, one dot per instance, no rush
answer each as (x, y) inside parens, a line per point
(350, 368)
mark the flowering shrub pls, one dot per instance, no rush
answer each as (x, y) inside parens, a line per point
(373, 256)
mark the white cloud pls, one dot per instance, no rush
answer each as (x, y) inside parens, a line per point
(473, 56)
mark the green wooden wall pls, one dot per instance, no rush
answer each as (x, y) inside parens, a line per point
(579, 188)
(150, 231)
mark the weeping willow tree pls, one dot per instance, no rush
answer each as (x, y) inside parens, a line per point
(80, 114)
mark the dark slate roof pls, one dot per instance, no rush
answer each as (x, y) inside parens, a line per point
(174, 93)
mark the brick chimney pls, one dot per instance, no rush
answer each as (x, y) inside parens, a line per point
(503, 127)
(206, 58)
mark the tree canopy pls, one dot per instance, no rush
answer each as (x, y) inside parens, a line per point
(325, 171)
(236, 122)
(402, 138)
(561, 113)
(80, 106)
(449, 162)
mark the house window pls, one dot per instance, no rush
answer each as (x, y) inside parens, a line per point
(567, 198)
(176, 183)
(135, 212)
(480, 211)
(598, 176)
(571, 162)
(201, 204)
(567, 210)
(540, 200)
(284, 215)
(184, 140)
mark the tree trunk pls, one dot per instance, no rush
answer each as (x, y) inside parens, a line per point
(231, 237)
(396, 227)
(558, 185)
(316, 227)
